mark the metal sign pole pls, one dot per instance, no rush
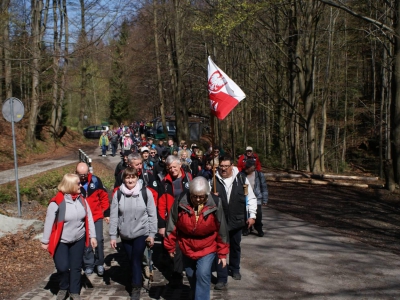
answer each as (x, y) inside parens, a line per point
(15, 156)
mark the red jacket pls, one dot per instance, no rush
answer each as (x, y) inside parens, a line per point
(242, 161)
(197, 239)
(58, 225)
(97, 198)
(166, 198)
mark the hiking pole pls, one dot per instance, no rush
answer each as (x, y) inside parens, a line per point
(150, 262)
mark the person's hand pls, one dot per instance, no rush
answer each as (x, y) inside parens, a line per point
(222, 261)
(93, 242)
(107, 219)
(250, 222)
(216, 194)
(161, 231)
(150, 242)
(172, 254)
(44, 246)
(113, 244)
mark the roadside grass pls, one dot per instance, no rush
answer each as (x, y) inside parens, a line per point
(43, 186)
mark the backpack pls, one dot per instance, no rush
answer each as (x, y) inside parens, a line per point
(144, 194)
(127, 144)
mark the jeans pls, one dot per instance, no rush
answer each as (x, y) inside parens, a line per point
(235, 237)
(104, 149)
(134, 249)
(68, 261)
(198, 273)
(96, 258)
(258, 224)
(114, 148)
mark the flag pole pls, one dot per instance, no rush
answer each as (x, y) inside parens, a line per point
(212, 145)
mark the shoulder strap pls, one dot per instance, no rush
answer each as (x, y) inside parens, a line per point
(144, 195)
(119, 194)
(145, 179)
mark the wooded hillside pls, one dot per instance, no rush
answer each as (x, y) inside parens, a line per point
(320, 77)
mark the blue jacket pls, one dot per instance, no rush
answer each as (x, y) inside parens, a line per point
(260, 187)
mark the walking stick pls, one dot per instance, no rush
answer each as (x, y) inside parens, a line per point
(150, 255)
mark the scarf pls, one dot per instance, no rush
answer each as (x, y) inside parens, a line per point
(127, 192)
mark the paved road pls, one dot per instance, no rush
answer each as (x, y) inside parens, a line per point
(294, 260)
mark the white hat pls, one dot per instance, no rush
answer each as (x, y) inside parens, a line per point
(248, 148)
(144, 149)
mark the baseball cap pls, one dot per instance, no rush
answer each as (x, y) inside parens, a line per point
(248, 148)
(143, 149)
(250, 163)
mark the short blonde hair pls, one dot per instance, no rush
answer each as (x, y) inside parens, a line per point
(184, 151)
(68, 184)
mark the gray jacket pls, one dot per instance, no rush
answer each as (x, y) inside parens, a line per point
(260, 187)
(132, 217)
(74, 223)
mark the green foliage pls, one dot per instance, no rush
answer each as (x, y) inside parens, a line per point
(228, 15)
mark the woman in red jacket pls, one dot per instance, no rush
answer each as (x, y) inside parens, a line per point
(197, 222)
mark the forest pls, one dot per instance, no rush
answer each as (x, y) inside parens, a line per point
(321, 77)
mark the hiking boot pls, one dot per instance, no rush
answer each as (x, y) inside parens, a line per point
(62, 295)
(89, 271)
(100, 270)
(221, 286)
(135, 295)
(236, 276)
(75, 297)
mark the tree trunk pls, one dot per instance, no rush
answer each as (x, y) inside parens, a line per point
(158, 63)
(64, 15)
(84, 66)
(37, 28)
(307, 18)
(6, 43)
(181, 114)
(56, 59)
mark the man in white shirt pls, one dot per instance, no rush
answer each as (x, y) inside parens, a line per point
(229, 187)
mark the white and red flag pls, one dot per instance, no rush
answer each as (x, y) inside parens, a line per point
(224, 93)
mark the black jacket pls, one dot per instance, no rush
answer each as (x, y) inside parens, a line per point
(235, 210)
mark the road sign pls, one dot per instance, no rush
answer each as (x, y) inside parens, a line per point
(15, 105)
(13, 111)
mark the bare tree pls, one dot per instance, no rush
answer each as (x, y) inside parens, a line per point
(39, 21)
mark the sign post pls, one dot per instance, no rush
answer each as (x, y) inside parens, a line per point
(13, 111)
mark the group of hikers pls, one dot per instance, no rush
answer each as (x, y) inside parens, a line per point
(198, 203)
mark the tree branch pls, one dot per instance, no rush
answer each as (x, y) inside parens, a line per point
(353, 13)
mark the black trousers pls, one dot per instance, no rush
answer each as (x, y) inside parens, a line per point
(258, 224)
(235, 237)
